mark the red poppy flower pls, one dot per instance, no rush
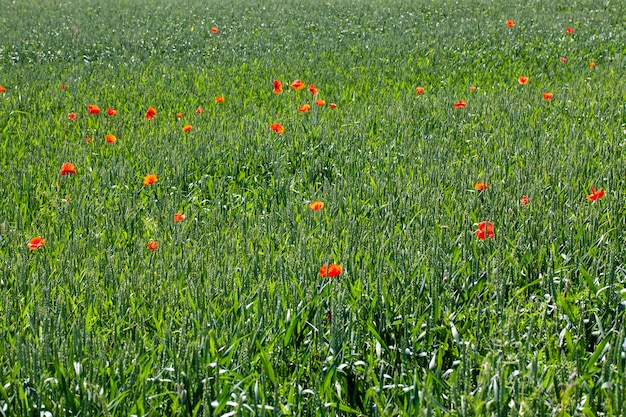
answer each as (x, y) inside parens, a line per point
(316, 205)
(93, 109)
(472, 88)
(569, 31)
(36, 243)
(62, 86)
(480, 186)
(178, 217)
(419, 90)
(71, 116)
(563, 59)
(510, 23)
(179, 115)
(149, 179)
(547, 96)
(278, 87)
(219, 99)
(332, 270)
(152, 245)
(523, 80)
(198, 111)
(297, 85)
(88, 139)
(68, 168)
(485, 230)
(320, 103)
(111, 112)
(278, 128)
(2, 89)
(332, 105)
(187, 128)
(150, 113)
(110, 138)
(460, 104)
(592, 64)
(214, 29)
(304, 108)
(524, 200)
(312, 89)
(595, 194)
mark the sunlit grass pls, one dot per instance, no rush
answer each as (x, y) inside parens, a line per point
(125, 311)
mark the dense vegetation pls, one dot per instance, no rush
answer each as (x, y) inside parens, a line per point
(118, 309)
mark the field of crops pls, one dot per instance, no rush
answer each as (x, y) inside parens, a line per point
(281, 207)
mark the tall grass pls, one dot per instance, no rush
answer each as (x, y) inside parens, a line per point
(229, 315)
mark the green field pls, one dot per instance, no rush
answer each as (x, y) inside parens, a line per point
(229, 314)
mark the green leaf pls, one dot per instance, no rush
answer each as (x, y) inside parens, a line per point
(592, 285)
(265, 362)
(596, 355)
(347, 409)
(374, 333)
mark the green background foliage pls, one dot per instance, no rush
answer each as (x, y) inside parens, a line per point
(229, 315)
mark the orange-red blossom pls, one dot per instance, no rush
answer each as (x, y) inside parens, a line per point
(278, 87)
(485, 230)
(278, 128)
(68, 168)
(595, 194)
(480, 186)
(149, 179)
(316, 205)
(332, 270)
(150, 113)
(36, 243)
(297, 85)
